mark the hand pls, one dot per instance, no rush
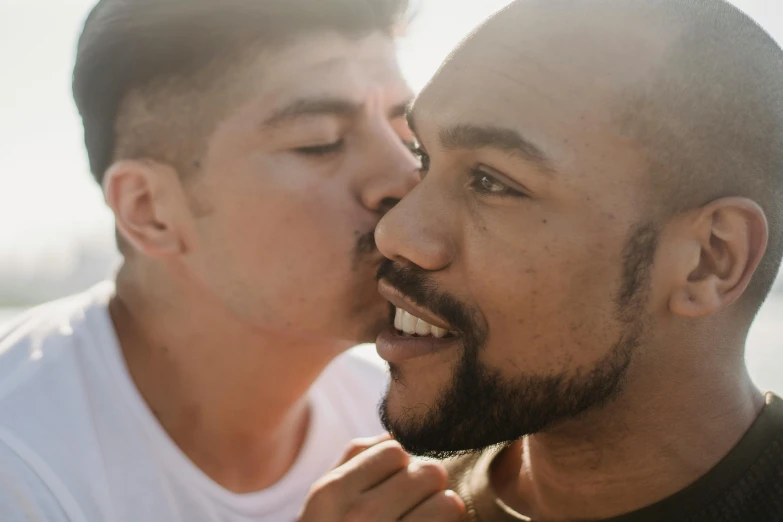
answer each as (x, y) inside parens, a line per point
(378, 482)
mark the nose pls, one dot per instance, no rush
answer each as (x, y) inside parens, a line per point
(416, 231)
(391, 171)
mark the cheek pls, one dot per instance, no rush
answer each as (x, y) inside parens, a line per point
(282, 236)
(292, 214)
(549, 307)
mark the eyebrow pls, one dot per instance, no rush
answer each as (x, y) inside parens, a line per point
(473, 137)
(338, 107)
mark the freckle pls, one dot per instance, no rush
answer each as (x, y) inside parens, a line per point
(544, 221)
(197, 163)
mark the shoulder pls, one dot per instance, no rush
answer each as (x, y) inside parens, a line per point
(26, 495)
(51, 379)
(45, 337)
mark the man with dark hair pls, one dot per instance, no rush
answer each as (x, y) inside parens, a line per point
(574, 279)
(247, 149)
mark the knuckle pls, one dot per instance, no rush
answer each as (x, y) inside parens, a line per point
(326, 491)
(392, 454)
(357, 445)
(432, 475)
(449, 507)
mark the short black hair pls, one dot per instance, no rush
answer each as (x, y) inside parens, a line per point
(127, 44)
(710, 118)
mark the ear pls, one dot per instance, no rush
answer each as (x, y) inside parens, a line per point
(149, 207)
(722, 247)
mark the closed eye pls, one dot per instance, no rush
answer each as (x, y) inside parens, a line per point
(321, 150)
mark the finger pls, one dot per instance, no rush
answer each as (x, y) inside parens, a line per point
(373, 466)
(402, 492)
(445, 506)
(358, 446)
(340, 489)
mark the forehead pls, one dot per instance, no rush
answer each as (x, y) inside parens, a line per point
(329, 64)
(555, 80)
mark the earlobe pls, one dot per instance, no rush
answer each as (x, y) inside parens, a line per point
(697, 299)
(138, 194)
(731, 237)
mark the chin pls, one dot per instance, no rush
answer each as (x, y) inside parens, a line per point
(404, 399)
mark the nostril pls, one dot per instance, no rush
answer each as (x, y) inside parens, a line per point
(387, 204)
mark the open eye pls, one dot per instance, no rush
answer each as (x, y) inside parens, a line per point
(322, 150)
(485, 184)
(421, 154)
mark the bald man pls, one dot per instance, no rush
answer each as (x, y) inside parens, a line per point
(574, 279)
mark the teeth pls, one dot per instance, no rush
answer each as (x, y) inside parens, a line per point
(410, 324)
(439, 332)
(423, 328)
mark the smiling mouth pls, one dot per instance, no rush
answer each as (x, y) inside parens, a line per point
(408, 324)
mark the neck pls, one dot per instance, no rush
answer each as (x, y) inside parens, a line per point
(233, 398)
(669, 427)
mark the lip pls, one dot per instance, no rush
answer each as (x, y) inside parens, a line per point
(396, 348)
(399, 300)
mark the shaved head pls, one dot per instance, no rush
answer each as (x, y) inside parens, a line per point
(604, 185)
(711, 117)
(697, 85)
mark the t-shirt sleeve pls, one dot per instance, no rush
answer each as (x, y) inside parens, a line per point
(24, 496)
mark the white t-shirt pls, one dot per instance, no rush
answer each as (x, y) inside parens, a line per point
(79, 444)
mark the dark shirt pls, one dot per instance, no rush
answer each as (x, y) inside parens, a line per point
(746, 485)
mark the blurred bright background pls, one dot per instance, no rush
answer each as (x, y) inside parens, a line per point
(56, 236)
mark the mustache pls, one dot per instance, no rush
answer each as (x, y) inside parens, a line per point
(418, 286)
(366, 244)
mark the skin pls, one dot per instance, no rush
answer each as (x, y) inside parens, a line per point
(535, 252)
(244, 279)
(378, 481)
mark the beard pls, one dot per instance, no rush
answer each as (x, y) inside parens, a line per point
(481, 407)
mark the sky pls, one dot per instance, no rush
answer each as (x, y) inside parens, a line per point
(48, 199)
